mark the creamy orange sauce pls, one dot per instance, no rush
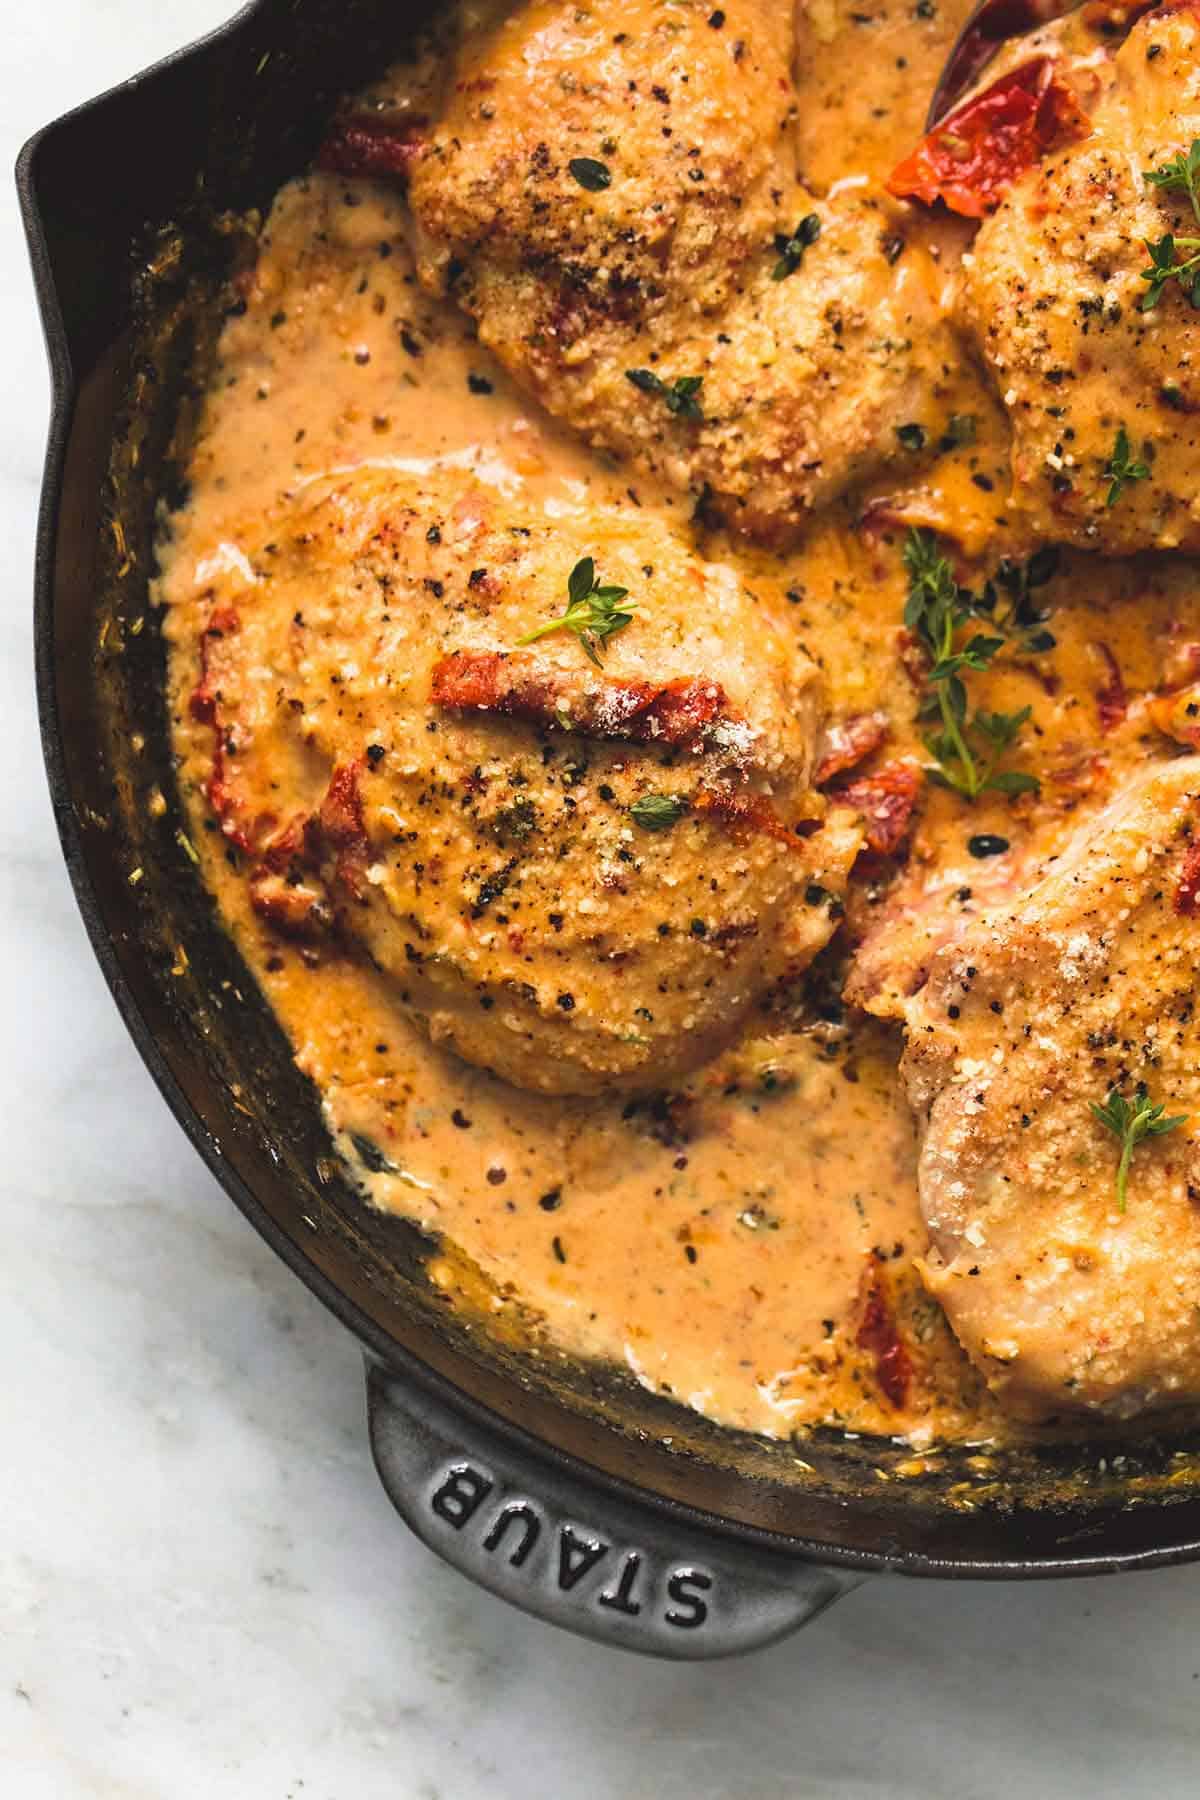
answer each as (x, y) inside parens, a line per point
(720, 1241)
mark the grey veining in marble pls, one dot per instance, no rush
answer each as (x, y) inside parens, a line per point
(204, 1594)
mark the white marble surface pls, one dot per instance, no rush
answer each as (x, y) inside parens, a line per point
(202, 1589)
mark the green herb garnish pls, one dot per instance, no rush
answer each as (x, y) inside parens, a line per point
(658, 812)
(1119, 470)
(679, 395)
(593, 613)
(967, 749)
(1130, 1121)
(1164, 268)
(1181, 175)
(590, 174)
(791, 249)
(1007, 601)
(911, 437)
(515, 823)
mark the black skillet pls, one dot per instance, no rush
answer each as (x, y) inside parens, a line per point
(565, 1488)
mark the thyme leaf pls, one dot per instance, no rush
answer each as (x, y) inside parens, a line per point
(1120, 469)
(1180, 175)
(1130, 1121)
(1008, 604)
(680, 395)
(967, 749)
(791, 249)
(658, 812)
(593, 613)
(1164, 268)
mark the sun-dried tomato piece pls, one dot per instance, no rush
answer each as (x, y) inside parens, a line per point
(912, 659)
(340, 825)
(886, 799)
(975, 155)
(1112, 700)
(341, 812)
(1187, 890)
(286, 845)
(684, 714)
(223, 622)
(742, 812)
(223, 797)
(293, 909)
(879, 1333)
(847, 742)
(372, 145)
(1085, 773)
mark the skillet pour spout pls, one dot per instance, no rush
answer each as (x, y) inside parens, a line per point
(565, 1488)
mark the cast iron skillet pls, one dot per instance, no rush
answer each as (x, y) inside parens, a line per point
(565, 1488)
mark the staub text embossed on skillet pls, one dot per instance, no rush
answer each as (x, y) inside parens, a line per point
(551, 1477)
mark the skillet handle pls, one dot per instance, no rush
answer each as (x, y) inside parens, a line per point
(597, 1564)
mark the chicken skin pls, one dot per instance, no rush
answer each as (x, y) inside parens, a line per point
(1103, 394)
(1068, 1299)
(578, 872)
(612, 195)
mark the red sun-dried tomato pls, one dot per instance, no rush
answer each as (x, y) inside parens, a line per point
(228, 805)
(847, 742)
(1187, 889)
(879, 1333)
(1112, 700)
(680, 713)
(341, 826)
(369, 144)
(976, 154)
(886, 800)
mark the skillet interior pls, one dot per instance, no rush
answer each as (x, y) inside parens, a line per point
(150, 179)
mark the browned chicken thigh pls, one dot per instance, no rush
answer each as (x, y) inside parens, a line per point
(1103, 388)
(612, 194)
(1069, 1293)
(578, 871)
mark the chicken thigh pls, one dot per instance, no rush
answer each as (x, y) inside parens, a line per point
(1098, 368)
(579, 861)
(1068, 1295)
(612, 195)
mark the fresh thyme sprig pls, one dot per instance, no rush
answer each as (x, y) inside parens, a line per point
(1120, 470)
(1164, 268)
(1008, 604)
(1130, 1121)
(680, 395)
(593, 613)
(1180, 175)
(968, 748)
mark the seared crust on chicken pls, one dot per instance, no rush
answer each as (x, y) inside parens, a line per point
(1054, 294)
(607, 191)
(474, 816)
(1086, 984)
